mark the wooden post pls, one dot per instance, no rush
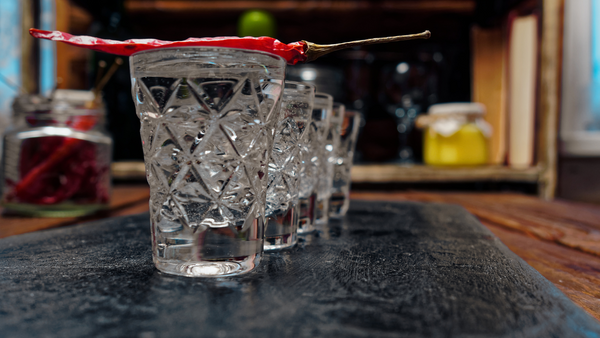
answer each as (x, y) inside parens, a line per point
(488, 84)
(63, 58)
(30, 47)
(549, 99)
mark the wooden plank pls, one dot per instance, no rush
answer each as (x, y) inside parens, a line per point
(419, 173)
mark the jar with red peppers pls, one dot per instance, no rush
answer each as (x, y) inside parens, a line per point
(55, 159)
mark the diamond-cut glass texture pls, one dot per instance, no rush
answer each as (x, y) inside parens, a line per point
(290, 137)
(208, 119)
(332, 141)
(344, 155)
(206, 143)
(313, 151)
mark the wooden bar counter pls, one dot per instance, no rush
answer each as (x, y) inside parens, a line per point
(559, 239)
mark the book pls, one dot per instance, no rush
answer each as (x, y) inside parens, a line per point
(522, 84)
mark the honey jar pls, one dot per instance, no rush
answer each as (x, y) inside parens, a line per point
(456, 134)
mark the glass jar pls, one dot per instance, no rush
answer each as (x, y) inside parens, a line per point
(56, 159)
(456, 135)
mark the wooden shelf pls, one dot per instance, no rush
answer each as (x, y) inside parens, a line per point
(128, 170)
(389, 173)
(205, 7)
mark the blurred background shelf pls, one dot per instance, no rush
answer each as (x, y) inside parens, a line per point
(387, 173)
(128, 170)
(462, 62)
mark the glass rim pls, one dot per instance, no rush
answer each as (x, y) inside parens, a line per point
(325, 95)
(352, 113)
(298, 84)
(321, 97)
(155, 50)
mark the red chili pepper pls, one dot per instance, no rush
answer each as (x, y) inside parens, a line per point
(34, 152)
(293, 52)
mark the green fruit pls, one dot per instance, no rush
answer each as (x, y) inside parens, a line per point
(256, 23)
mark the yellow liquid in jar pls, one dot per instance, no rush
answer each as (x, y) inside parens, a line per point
(468, 146)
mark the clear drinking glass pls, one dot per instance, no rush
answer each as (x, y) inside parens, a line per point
(330, 143)
(314, 165)
(285, 165)
(208, 118)
(344, 154)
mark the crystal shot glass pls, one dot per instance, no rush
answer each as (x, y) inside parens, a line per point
(282, 209)
(208, 118)
(326, 166)
(344, 155)
(314, 164)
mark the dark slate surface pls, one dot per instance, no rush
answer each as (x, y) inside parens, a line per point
(387, 270)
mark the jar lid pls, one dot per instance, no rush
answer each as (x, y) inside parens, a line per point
(72, 97)
(447, 118)
(30, 103)
(470, 108)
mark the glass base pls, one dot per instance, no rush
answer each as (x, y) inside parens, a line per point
(208, 268)
(59, 210)
(280, 242)
(281, 231)
(338, 205)
(307, 214)
(322, 211)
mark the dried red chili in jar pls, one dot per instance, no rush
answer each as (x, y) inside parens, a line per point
(56, 159)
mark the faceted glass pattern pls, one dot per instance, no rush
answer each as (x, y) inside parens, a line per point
(285, 165)
(208, 118)
(344, 155)
(331, 141)
(314, 163)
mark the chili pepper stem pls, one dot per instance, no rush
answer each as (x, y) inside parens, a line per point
(107, 76)
(102, 82)
(314, 51)
(101, 68)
